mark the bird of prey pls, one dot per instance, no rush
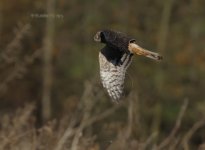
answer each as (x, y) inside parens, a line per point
(116, 57)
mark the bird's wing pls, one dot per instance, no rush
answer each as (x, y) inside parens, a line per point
(112, 74)
(136, 49)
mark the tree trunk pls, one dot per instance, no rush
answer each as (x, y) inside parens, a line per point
(47, 68)
(164, 26)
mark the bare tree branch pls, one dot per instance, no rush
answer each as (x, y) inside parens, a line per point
(9, 54)
(70, 131)
(176, 127)
(190, 133)
(149, 140)
(67, 134)
(19, 70)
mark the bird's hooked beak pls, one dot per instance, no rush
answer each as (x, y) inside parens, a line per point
(97, 36)
(136, 49)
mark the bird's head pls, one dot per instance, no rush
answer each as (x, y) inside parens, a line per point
(99, 37)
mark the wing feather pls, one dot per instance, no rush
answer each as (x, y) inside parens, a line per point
(113, 75)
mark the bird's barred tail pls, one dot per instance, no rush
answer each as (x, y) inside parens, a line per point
(134, 48)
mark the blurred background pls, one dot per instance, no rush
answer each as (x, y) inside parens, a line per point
(50, 84)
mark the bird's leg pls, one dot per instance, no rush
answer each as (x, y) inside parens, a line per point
(135, 49)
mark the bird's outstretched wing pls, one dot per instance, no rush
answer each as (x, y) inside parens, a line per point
(112, 71)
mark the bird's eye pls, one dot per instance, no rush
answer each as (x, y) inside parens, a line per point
(132, 41)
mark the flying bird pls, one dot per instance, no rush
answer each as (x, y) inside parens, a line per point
(116, 57)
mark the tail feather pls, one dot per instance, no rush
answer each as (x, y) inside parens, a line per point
(134, 48)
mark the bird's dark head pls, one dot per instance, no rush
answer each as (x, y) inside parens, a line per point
(99, 37)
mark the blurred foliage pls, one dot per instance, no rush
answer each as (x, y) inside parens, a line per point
(161, 87)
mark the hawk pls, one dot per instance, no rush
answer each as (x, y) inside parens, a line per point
(116, 57)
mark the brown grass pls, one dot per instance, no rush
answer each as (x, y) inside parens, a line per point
(18, 130)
